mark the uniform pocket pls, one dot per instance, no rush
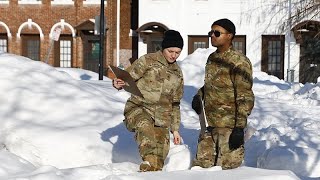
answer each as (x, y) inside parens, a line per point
(131, 113)
(163, 115)
(131, 119)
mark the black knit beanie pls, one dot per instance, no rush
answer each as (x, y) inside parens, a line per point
(172, 38)
(226, 24)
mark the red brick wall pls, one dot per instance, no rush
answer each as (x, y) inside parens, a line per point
(46, 15)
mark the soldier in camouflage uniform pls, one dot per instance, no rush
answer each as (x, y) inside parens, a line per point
(228, 100)
(160, 81)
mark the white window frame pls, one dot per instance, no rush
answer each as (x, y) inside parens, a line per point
(3, 45)
(4, 1)
(29, 2)
(65, 53)
(89, 2)
(66, 2)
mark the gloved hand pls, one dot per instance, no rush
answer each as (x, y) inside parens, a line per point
(209, 129)
(196, 104)
(236, 138)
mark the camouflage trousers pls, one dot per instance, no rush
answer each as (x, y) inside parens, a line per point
(153, 141)
(213, 150)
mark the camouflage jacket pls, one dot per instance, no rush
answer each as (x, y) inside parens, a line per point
(161, 85)
(227, 91)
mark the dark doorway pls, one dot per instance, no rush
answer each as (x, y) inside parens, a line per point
(31, 46)
(90, 45)
(307, 35)
(309, 60)
(91, 53)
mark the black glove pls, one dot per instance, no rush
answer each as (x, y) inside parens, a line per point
(236, 138)
(196, 104)
(209, 129)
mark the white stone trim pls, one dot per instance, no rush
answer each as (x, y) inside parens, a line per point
(7, 28)
(29, 23)
(62, 24)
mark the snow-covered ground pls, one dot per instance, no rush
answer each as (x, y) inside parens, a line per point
(64, 124)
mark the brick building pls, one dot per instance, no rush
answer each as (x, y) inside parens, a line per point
(28, 27)
(285, 49)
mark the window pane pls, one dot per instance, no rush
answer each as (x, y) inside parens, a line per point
(197, 45)
(92, 53)
(65, 53)
(33, 51)
(197, 41)
(238, 46)
(274, 57)
(3, 45)
(239, 43)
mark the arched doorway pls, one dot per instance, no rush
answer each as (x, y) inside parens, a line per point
(90, 45)
(152, 34)
(307, 34)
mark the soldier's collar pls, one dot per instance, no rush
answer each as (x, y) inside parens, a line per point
(162, 59)
(226, 52)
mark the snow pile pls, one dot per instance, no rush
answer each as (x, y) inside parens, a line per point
(62, 123)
